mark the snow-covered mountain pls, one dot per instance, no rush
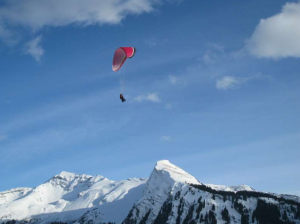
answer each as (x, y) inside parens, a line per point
(68, 196)
(170, 195)
(175, 197)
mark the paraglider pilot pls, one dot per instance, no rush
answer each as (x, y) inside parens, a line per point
(122, 98)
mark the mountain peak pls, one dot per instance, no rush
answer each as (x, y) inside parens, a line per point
(65, 175)
(175, 173)
(162, 163)
(69, 176)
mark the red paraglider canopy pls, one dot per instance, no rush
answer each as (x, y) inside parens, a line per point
(121, 55)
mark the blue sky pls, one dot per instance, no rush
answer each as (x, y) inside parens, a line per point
(213, 87)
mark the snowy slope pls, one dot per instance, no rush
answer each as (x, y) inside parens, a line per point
(68, 196)
(13, 194)
(242, 187)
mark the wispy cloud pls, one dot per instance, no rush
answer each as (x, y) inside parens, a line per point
(34, 48)
(278, 36)
(214, 52)
(174, 80)
(151, 42)
(166, 138)
(207, 58)
(177, 80)
(227, 82)
(6, 35)
(233, 82)
(153, 97)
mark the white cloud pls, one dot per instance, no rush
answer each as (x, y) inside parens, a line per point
(166, 138)
(39, 13)
(278, 36)
(3, 137)
(149, 97)
(231, 82)
(33, 15)
(34, 49)
(227, 82)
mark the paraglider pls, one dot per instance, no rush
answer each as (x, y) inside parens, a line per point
(122, 98)
(120, 56)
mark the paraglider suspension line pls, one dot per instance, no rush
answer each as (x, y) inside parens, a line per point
(122, 81)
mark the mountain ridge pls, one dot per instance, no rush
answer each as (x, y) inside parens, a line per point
(169, 195)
